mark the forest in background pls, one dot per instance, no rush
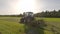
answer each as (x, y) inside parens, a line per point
(52, 14)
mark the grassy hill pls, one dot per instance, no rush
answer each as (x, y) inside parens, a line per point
(10, 25)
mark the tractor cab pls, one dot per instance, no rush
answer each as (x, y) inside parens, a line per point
(28, 14)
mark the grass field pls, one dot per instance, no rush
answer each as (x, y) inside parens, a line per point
(52, 23)
(10, 25)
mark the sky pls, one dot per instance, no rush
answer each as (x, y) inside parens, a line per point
(8, 7)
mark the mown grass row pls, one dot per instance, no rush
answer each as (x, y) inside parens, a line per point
(51, 23)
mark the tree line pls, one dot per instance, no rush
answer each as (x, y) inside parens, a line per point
(20, 15)
(50, 14)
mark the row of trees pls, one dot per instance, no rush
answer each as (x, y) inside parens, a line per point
(47, 13)
(20, 15)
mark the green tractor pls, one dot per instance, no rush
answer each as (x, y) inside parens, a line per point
(27, 17)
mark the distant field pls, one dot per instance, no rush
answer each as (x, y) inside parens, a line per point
(10, 25)
(50, 19)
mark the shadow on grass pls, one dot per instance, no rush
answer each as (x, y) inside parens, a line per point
(34, 27)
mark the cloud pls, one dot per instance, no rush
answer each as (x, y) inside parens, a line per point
(12, 6)
(8, 6)
(51, 4)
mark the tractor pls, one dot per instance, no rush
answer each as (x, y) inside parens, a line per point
(27, 17)
(31, 24)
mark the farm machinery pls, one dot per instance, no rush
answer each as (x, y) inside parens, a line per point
(31, 24)
(29, 19)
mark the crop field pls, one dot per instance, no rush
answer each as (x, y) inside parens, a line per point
(11, 25)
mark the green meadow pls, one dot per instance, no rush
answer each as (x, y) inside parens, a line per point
(11, 25)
